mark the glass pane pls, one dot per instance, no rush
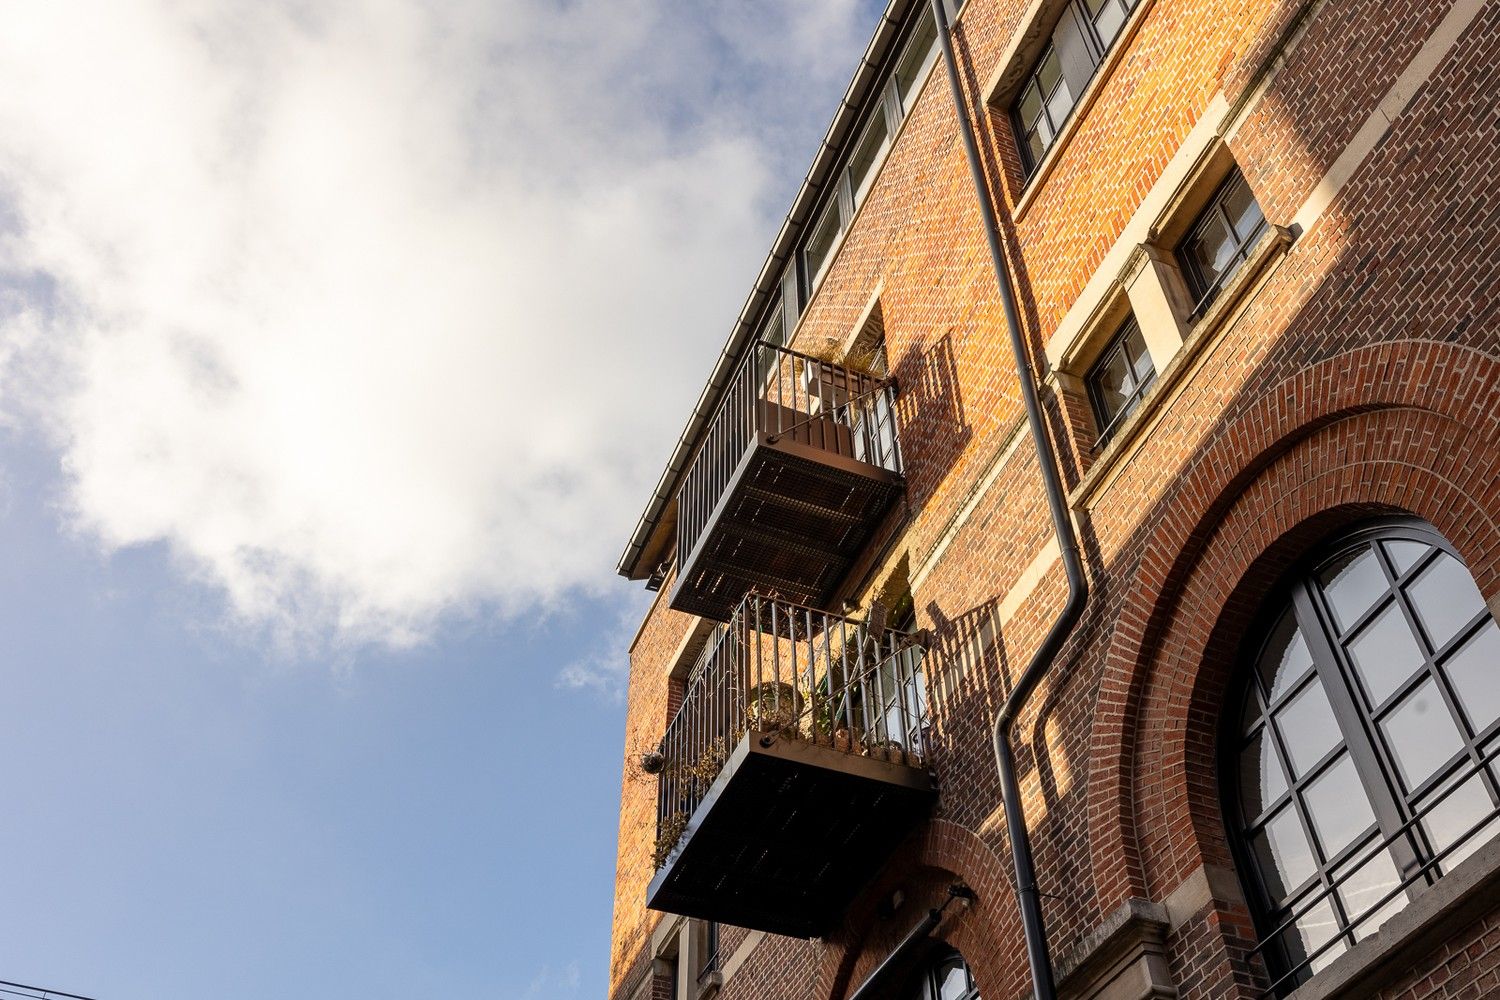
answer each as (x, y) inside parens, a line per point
(1059, 104)
(1422, 735)
(952, 980)
(1243, 211)
(1286, 659)
(820, 244)
(1338, 806)
(1310, 933)
(1112, 384)
(1261, 779)
(1108, 20)
(1250, 718)
(1308, 727)
(918, 51)
(866, 155)
(1031, 104)
(1049, 73)
(1386, 654)
(1145, 370)
(1369, 885)
(1406, 554)
(1352, 584)
(1445, 597)
(1450, 819)
(1211, 250)
(1285, 857)
(1475, 672)
(1037, 143)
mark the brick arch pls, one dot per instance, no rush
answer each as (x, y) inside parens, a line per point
(985, 933)
(1404, 426)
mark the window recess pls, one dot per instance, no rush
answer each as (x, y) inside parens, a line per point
(1077, 46)
(1119, 379)
(1220, 239)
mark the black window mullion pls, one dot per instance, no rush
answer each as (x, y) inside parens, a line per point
(1373, 773)
(1429, 669)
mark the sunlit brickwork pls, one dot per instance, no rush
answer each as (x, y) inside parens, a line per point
(1352, 370)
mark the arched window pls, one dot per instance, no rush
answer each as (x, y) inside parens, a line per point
(944, 977)
(1359, 757)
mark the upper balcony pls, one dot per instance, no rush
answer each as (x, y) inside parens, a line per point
(796, 470)
(795, 765)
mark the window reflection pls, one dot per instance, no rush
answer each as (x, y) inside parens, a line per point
(1385, 654)
(1446, 599)
(1373, 764)
(946, 977)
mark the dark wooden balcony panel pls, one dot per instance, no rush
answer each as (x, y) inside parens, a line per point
(788, 834)
(790, 521)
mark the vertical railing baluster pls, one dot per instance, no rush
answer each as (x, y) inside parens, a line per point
(830, 701)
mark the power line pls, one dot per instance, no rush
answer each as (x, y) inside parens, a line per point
(36, 992)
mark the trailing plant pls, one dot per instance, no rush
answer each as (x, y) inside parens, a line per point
(668, 831)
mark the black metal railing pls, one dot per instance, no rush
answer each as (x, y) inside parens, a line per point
(798, 673)
(1424, 872)
(793, 397)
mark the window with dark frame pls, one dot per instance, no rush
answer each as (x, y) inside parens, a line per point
(945, 976)
(1361, 767)
(710, 949)
(1080, 41)
(1118, 380)
(854, 179)
(1221, 239)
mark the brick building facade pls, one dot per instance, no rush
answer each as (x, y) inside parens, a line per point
(1255, 248)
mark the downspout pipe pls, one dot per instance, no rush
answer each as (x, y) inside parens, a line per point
(1028, 895)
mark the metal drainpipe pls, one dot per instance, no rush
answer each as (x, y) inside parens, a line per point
(1029, 898)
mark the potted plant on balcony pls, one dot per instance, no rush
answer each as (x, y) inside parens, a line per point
(774, 706)
(833, 377)
(838, 716)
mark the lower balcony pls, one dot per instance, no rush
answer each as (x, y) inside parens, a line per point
(794, 767)
(796, 470)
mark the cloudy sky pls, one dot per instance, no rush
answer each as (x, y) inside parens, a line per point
(340, 343)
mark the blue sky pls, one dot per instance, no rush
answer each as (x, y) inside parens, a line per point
(340, 344)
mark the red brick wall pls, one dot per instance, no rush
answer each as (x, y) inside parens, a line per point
(1363, 375)
(1467, 967)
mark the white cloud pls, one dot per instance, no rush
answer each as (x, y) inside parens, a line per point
(380, 312)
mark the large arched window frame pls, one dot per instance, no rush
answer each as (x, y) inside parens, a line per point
(1358, 756)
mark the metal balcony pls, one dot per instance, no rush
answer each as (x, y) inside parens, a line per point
(793, 768)
(795, 472)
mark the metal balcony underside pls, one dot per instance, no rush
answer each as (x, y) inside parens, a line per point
(788, 834)
(790, 521)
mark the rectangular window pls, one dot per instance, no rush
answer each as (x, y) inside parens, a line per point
(867, 156)
(774, 333)
(890, 102)
(1221, 238)
(1083, 36)
(919, 54)
(1119, 379)
(709, 950)
(819, 250)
